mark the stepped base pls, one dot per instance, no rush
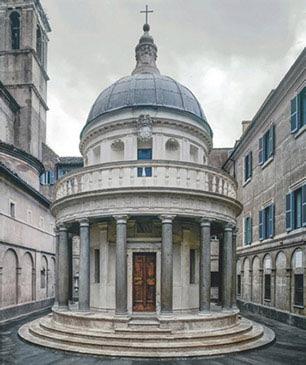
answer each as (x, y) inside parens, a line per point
(104, 334)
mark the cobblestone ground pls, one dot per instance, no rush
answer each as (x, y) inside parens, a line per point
(289, 348)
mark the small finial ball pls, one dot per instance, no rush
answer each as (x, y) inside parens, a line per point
(146, 27)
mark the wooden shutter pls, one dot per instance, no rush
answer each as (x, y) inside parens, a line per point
(271, 141)
(260, 224)
(250, 231)
(271, 221)
(294, 115)
(260, 153)
(250, 163)
(246, 230)
(304, 205)
(289, 221)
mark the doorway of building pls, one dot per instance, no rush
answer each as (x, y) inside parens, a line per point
(144, 282)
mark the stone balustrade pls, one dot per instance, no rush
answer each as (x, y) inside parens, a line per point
(150, 174)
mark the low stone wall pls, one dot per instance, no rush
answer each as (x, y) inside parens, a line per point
(273, 313)
(23, 309)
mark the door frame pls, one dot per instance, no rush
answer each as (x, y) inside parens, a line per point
(143, 248)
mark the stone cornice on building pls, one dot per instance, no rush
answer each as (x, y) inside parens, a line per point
(17, 180)
(12, 103)
(270, 104)
(14, 151)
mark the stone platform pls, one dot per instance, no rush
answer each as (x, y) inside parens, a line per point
(146, 336)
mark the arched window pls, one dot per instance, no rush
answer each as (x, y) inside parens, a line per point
(39, 48)
(15, 30)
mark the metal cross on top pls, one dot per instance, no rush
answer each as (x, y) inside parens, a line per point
(147, 11)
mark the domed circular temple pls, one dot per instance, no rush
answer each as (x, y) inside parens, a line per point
(156, 227)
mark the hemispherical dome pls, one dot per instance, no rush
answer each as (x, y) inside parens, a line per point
(146, 89)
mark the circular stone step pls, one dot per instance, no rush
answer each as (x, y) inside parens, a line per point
(152, 342)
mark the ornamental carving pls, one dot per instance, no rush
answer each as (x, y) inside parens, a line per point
(144, 127)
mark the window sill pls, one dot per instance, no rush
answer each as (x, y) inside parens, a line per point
(269, 160)
(299, 132)
(298, 306)
(246, 182)
(267, 300)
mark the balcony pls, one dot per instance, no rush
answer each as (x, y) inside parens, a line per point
(146, 174)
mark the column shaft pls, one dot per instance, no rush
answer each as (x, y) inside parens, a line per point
(234, 266)
(84, 269)
(57, 264)
(167, 266)
(121, 265)
(227, 267)
(63, 268)
(204, 283)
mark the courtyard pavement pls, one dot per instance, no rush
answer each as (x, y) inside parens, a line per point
(289, 348)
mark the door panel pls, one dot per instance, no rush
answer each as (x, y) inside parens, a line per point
(144, 282)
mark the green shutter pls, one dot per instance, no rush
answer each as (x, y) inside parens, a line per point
(260, 153)
(270, 234)
(250, 163)
(289, 212)
(304, 205)
(271, 140)
(250, 231)
(260, 224)
(294, 115)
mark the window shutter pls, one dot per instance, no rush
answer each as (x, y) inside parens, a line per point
(260, 153)
(51, 176)
(271, 221)
(271, 139)
(293, 115)
(304, 205)
(246, 168)
(42, 178)
(250, 163)
(260, 224)
(250, 231)
(288, 212)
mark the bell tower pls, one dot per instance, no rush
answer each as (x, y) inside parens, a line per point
(23, 68)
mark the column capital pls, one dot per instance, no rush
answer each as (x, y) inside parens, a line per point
(84, 222)
(205, 222)
(166, 218)
(62, 227)
(229, 227)
(121, 218)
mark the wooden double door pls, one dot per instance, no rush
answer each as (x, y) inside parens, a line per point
(144, 282)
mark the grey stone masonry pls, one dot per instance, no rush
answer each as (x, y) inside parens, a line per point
(204, 285)
(234, 268)
(121, 264)
(167, 265)
(84, 270)
(63, 268)
(57, 242)
(227, 269)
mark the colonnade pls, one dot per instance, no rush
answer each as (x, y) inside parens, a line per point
(227, 269)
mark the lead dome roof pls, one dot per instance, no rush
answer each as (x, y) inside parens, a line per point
(146, 87)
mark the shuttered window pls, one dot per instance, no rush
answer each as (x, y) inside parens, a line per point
(296, 209)
(266, 145)
(266, 222)
(298, 111)
(247, 230)
(267, 287)
(298, 289)
(248, 166)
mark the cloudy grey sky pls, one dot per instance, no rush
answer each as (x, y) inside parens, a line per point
(230, 53)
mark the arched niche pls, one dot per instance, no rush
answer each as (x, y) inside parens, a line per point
(27, 279)
(117, 150)
(9, 278)
(172, 148)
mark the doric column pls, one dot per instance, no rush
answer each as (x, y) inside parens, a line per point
(84, 268)
(121, 264)
(63, 268)
(204, 282)
(227, 262)
(167, 265)
(57, 268)
(234, 276)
